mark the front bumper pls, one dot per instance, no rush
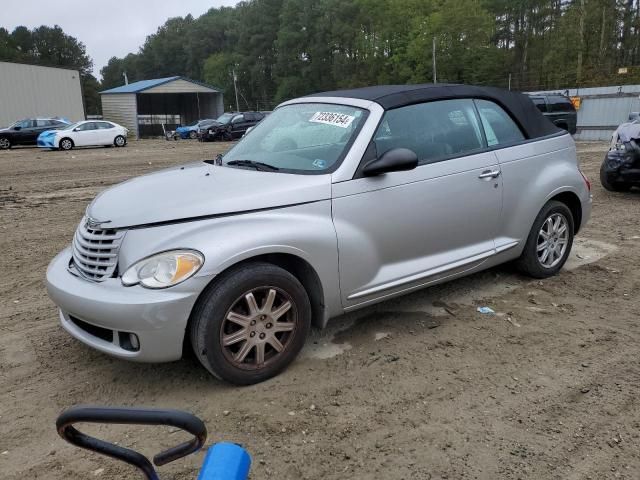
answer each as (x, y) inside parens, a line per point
(46, 142)
(103, 315)
(621, 167)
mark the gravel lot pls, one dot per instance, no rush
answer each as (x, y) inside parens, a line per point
(418, 387)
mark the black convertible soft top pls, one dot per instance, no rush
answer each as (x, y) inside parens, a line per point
(519, 106)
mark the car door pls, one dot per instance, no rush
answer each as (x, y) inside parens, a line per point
(105, 133)
(402, 230)
(24, 133)
(86, 134)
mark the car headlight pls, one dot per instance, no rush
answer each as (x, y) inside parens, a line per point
(164, 269)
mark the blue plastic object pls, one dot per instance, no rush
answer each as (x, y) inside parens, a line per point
(225, 461)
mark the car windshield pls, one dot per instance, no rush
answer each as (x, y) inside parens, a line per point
(225, 118)
(301, 138)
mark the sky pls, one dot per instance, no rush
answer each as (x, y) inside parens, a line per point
(107, 28)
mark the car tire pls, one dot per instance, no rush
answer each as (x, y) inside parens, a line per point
(65, 144)
(120, 141)
(612, 186)
(193, 135)
(555, 222)
(5, 143)
(262, 335)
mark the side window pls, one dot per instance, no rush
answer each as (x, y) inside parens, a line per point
(540, 103)
(104, 125)
(434, 130)
(43, 123)
(561, 104)
(249, 117)
(238, 119)
(499, 127)
(87, 126)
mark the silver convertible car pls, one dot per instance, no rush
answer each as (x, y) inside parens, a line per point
(335, 201)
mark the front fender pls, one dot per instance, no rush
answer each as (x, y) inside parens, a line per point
(305, 231)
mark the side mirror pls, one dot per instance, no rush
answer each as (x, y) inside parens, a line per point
(17, 127)
(77, 129)
(394, 160)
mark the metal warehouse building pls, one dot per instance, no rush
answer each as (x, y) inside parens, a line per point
(28, 91)
(144, 106)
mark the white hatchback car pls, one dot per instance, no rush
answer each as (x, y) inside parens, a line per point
(84, 134)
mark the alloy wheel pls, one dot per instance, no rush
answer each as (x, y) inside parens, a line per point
(4, 143)
(66, 144)
(258, 327)
(553, 239)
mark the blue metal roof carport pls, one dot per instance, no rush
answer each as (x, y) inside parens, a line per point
(144, 106)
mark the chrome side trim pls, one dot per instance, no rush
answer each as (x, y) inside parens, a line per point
(421, 276)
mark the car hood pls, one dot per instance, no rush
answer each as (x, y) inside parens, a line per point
(201, 190)
(186, 129)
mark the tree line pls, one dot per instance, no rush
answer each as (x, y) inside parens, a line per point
(280, 49)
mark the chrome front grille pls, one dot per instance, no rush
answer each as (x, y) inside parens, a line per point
(95, 251)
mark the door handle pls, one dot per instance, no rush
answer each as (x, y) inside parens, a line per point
(490, 174)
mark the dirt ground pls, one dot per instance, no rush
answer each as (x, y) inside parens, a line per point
(420, 387)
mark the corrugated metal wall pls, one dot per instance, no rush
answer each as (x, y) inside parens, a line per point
(121, 108)
(603, 109)
(28, 91)
(180, 86)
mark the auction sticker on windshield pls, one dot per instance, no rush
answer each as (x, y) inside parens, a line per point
(330, 118)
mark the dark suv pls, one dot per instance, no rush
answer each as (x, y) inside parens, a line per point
(25, 132)
(230, 125)
(559, 109)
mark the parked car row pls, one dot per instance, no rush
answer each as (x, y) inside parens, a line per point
(26, 132)
(228, 126)
(58, 133)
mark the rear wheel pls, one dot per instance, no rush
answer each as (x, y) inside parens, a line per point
(612, 186)
(5, 143)
(66, 144)
(549, 242)
(193, 134)
(120, 141)
(251, 324)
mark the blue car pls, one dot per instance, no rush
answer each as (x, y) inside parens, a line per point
(191, 131)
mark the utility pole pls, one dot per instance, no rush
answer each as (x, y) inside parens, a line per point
(235, 87)
(435, 76)
(126, 80)
(583, 14)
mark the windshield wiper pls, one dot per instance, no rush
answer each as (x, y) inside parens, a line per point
(254, 164)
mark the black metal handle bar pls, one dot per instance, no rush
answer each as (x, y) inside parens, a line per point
(132, 416)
